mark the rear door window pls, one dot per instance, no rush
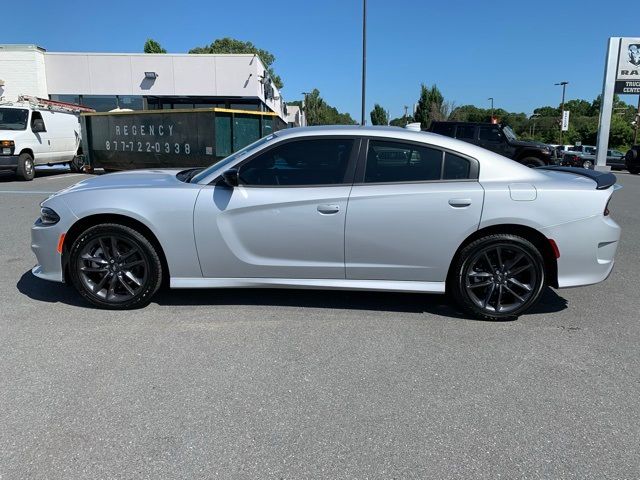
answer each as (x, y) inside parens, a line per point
(465, 132)
(490, 134)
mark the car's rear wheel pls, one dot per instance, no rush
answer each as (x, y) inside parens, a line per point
(26, 169)
(587, 164)
(114, 266)
(498, 277)
(532, 162)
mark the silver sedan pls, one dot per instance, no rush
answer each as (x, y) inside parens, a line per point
(335, 208)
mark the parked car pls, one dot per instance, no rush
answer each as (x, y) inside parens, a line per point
(377, 208)
(499, 139)
(36, 133)
(583, 156)
(616, 160)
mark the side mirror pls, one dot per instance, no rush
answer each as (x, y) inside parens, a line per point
(230, 177)
(38, 126)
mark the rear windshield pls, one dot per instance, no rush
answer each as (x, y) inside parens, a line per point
(13, 118)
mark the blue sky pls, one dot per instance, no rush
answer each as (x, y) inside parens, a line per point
(513, 51)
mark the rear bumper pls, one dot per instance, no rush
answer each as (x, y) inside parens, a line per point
(8, 162)
(587, 250)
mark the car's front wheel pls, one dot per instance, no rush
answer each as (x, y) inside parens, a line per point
(114, 266)
(588, 164)
(498, 277)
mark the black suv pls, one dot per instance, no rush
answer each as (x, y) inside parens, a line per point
(497, 138)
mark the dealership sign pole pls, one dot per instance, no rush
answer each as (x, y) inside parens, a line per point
(621, 75)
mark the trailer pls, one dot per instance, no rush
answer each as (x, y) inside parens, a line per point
(124, 140)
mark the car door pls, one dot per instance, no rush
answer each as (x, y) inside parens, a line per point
(286, 217)
(409, 210)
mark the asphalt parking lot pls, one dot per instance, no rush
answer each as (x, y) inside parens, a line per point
(302, 384)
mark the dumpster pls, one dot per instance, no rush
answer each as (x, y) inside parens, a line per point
(125, 140)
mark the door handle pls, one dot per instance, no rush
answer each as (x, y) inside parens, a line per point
(460, 202)
(328, 208)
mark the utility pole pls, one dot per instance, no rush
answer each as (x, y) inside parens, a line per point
(364, 58)
(406, 109)
(491, 98)
(564, 86)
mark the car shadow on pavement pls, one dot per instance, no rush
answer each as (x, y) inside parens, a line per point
(51, 292)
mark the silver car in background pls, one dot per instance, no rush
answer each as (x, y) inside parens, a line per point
(362, 208)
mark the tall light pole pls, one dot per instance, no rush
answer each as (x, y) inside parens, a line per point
(564, 86)
(491, 98)
(364, 57)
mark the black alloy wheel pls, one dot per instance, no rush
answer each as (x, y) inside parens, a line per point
(114, 266)
(499, 277)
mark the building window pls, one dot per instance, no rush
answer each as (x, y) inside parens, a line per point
(130, 102)
(66, 98)
(100, 103)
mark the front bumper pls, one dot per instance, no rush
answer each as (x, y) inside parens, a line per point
(8, 162)
(587, 250)
(44, 244)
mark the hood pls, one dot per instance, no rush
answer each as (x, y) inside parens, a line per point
(127, 180)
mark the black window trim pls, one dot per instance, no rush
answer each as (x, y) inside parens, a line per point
(349, 174)
(474, 165)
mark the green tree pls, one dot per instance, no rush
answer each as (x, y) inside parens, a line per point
(231, 45)
(319, 112)
(379, 115)
(151, 46)
(430, 106)
(401, 121)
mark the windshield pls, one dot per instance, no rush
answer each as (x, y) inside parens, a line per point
(13, 118)
(510, 133)
(231, 158)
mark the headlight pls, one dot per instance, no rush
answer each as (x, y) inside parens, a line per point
(48, 216)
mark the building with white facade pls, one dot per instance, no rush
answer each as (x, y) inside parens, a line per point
(139, 81)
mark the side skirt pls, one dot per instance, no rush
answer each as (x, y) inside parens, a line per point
(320, 284)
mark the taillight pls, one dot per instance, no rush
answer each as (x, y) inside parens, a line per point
(606, 208)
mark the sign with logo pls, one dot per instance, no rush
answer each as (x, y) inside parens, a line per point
(565, 120)
(628, 71)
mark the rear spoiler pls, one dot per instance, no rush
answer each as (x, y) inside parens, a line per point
(603, 179)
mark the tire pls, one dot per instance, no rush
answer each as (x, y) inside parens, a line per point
(532, 162)
(588, 164)
(120, 279)
(632, 162)
(497, 277)
(77, 164)
(26, 168)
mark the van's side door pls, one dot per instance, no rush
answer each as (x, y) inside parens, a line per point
(39, 142)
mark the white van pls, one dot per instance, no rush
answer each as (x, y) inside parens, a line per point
(32, 134)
